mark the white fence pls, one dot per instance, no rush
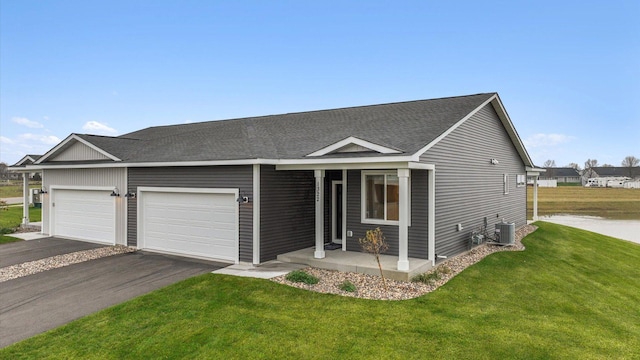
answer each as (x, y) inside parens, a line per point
(632, 185)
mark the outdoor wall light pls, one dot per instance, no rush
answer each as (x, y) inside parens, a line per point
(130, 194)
(242, 199)
(494, 162)
(43, 190)
(115, 192)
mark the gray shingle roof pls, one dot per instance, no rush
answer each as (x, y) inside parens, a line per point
(406, 126)
(564, 172)
(604, 171)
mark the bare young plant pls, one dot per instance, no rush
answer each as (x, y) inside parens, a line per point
(374, 243)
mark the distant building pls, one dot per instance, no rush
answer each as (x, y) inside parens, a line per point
(562, 175)
(632, 173)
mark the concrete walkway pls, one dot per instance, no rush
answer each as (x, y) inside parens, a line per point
(13, 200)
(267, 270)
(621, 229)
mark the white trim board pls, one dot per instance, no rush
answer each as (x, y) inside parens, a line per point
(79, 139)
(352, 140)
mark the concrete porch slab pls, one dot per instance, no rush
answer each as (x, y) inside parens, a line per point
(363, 263)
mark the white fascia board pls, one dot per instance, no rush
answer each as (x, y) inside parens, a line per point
(25, 158)
(347, 166)
(20, 169)
(354, 140)
(455, 126)
(348, 160)
(337, 163)
(534, 171)
(155, 164)
(511, 130)
(79, 139)
(421, 166)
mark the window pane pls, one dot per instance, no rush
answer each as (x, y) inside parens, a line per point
(375, 196)
(393, 195)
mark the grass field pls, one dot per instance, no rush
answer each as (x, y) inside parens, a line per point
(14, 189)
(12, 218)
(571, 295)
(619, 204)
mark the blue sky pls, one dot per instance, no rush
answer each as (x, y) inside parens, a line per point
(568, 72)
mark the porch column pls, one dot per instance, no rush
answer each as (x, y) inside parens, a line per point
(431, 242)
(403, 226)
(535, 198)
(25, 198)
(319, 253)
(344, 210)
(256, 214)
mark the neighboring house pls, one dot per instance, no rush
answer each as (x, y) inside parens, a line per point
(26, 160)
(246, 190)
(562, 175)
(615, 172)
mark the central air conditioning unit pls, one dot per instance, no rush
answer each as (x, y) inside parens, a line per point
(506, 233)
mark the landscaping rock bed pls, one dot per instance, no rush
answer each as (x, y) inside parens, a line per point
(371, 287)
(54, 262)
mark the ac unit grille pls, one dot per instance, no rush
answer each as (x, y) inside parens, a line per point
(506, 233)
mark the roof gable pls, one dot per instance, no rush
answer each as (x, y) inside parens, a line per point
(354, 145)
(27, 160)
(75, 148)
(494, 100)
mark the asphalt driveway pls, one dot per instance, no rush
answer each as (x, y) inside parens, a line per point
(36, 303)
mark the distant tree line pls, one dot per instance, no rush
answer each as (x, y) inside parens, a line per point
(630, 162)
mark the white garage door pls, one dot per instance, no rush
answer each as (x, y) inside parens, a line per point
(84, 214)
(196, 224)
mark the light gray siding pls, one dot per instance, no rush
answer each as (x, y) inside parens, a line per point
(287, 211)
(419, 221)
(470, 188)
(110, 177)
(232, 177)
(79, 152)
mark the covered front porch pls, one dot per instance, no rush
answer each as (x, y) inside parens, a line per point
(351, 261)
(351, 198)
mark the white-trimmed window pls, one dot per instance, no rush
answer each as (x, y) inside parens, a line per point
(521, 180)
(381, 197)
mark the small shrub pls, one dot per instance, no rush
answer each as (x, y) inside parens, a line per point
(347, 286)
(5, 231)
(374, 243)
(303, 277)
(4, 206)
(432, 276)
(427, 278)
(444, 269)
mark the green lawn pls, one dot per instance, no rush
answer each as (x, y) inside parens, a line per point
(12, 218)
(619, 204)
(14, 189)
(571, 295)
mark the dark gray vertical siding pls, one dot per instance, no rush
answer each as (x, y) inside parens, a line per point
(419, 223)
(287, 211)
(468, 187)
(418, 231)
(234, 177)
(354, 217)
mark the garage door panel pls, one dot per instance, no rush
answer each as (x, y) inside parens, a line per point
(84, 214)
(199, 224)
